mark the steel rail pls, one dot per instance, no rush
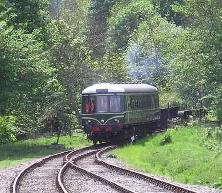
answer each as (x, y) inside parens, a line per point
(95, 176)
(150, 179)
(67, 164)
(17, 180)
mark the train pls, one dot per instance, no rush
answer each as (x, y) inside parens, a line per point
(117, 112)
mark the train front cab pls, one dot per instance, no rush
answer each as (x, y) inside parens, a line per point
(102, 116)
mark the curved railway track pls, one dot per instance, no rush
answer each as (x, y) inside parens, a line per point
(148, 179)
(83, 170)
(87, 164)
(40, 173)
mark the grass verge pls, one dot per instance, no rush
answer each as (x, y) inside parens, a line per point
(22, 151)
(186, 154)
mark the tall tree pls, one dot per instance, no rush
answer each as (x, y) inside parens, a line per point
(123, 23)
(165, 9)
(198, 58)
(98, 15)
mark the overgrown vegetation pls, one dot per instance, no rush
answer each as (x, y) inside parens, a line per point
(23, 151)
(7, 129)
(51, 49)
(187, 154)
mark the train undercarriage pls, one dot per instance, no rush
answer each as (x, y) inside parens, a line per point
(121, 133)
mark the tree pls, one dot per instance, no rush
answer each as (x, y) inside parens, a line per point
(166, 9)
(201, 49)
(97, 16)
(71, 58)
(122, 24)
(24, 71)
(111, 68)
(27, 15)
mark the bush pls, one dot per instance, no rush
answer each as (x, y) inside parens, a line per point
(212, 138)
(166, 139)
(218, 184)
(7, 129)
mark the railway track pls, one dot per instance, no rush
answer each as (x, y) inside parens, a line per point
(40, 176)
(148, 179)
(84, 170)
(88, 165)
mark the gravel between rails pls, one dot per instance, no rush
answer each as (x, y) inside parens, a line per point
(197, 188)
(43, 178)
(81, 183)
(74, 181)
(129, 182)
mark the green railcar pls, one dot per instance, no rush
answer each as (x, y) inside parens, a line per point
(119, 111)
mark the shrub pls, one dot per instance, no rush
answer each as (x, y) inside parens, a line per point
(166, 139)
(212, 138)
(218, 184)
(7, 129)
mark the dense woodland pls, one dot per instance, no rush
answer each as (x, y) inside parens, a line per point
(51, 49)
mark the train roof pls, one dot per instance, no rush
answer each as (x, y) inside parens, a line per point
(119, 88)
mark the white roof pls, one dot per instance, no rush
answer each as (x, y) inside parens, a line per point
(119, 88)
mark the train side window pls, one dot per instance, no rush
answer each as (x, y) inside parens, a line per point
(152, 102)
(156, 100)
(129, 104)
(144, 102)
(149, 102)
(133, 102)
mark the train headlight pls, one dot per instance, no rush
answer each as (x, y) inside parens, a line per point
(89, 121)
(102, 121)
(116, 120)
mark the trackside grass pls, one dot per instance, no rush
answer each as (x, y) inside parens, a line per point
(186, 154)
(22, 151)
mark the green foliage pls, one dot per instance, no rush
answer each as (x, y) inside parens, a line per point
(23, 151)
(171, 98)
(217, 102)
(186, 159)
(165, 9)
(153, 37)
(122, 24)
(112, 68)
(27, 15)
(98, 13)
(166, 139)
(48, 58)
(203, 60)
(7, 129)
(71, 59)
(211, 115)
(218, 184)
(25, 71)
(212, 138)
(187, 74)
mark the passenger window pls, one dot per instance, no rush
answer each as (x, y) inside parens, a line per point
(156, 100)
